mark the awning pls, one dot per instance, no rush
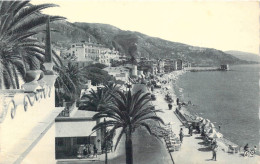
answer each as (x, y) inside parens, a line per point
(75, 128)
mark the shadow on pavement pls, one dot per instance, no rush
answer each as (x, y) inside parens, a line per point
(202, 143)
(204, 149)
(208, 159)
(199, 138)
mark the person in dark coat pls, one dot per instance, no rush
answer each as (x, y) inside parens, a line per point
(170, 106)
(203, 130)
(181, 135)
(152, 88)
(84, 151)
(177, 101)
(95, 150)
(190, 130)
(89, 151)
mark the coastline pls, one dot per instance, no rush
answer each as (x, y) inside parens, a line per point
(225, 142)
(148, 149)
(192, 146)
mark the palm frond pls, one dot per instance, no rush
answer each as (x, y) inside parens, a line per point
(26, 12)
(32, 24)
(19, 6)
(119, 137)
(104, 124)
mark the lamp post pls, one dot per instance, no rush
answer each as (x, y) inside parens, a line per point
(105, 141)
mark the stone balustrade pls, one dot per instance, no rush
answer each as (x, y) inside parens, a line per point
(30, 94)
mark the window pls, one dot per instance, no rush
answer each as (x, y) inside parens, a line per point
(59, 142)
(82, 140)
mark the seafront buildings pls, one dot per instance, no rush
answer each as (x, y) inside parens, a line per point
(89, 52)
(85, 53)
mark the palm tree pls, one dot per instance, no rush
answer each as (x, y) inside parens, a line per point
(111, 87)
(68, 82)
(128, 112)
(19, 21)
(96, 101)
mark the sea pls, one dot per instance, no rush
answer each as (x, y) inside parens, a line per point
(229, 99)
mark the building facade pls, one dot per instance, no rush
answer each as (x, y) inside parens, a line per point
(178, 64)
(169, 65)
(160, 66)
(89, 52)
(120, 73)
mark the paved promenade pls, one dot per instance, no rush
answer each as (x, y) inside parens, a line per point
(193, 149)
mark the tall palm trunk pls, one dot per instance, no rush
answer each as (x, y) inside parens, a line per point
(129, 147)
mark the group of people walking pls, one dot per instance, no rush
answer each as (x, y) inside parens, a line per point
(181, 135)
(214, 145)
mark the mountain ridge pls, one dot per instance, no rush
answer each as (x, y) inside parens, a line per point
(133, 43)
(244, 55)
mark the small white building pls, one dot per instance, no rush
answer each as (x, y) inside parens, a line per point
(73, 131)
(160, 66)
(120, 73)
(89, 87)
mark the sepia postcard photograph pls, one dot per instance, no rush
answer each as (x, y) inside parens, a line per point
(129, 82)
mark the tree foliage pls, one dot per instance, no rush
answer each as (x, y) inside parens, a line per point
(128, 112)
(96, 74)
(69, 81)
(19, 51)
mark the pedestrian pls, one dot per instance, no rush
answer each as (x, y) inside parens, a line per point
(191, 128)
(95, 151)
(214, 151)
(255, 149)
(219, 127)
(89, 151)
(84, 151)
(177, 101)
(152, 88)
(203, 130)
(170, 106)
(181, 135)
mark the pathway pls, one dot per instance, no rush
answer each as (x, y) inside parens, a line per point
(193, 149)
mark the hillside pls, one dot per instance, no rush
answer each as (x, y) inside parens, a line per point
(137, 44)
(244, 55)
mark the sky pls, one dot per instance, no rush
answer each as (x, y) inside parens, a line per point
(221, 25)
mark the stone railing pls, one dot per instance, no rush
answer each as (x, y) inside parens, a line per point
(21, 97)
(38, 87)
